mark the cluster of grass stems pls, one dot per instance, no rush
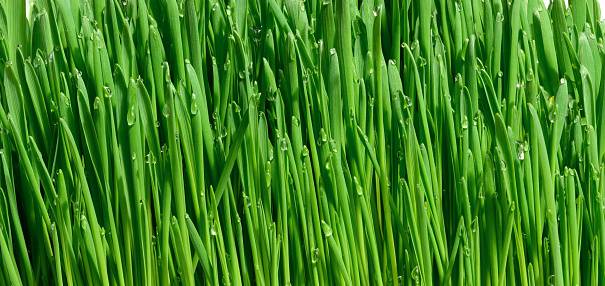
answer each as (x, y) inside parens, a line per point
(289, 142)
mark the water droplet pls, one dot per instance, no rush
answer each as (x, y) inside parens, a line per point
(213, 230)
(502, 165)
(194, 107)
(305, 151)
(333, 146)
(131, 118)
(552, 115)
(458, 78)
(223, 131)
(415, 45)
(358, 186)
(66, 99)
(108, 92)
(134, 156)
(315, 255)
(270, 94)
(283, 145)
(166, 110)
(326, 228)
(416, 274)
(465, 122)
(323, 136)
(500, 74)
(474, 225)
(520, 151)
(467, 251)
(422, 62)
(377, 11)
(37, 62)
(332, 51)
(461, 230)
(295, 121)
(407, 101)
(268, 170)
(97, 103)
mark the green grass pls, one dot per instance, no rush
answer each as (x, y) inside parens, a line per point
(289, 142)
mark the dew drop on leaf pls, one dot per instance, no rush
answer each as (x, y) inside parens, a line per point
(315, 255)
(194, 107)
(326, 228)
(166, 110)
(465, 122)
(131, 117)
(416, 274)
(97, 103)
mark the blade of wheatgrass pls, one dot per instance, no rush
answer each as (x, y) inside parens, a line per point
(38, 103)
(177, 172)
(202, 118)
(175, 36)
(512, 97)
(560, 107)
(233, 152)
(199, 248)
(17, 228)
(58, 267)
(327, 230)
(549, 194)
(370, 151)
(381, 142)
(39, 201)
(8, 261)
(573, 227)
(423, 174)
(16, 23)
(89, 205)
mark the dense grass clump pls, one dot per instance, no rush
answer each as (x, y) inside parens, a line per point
(289, 142)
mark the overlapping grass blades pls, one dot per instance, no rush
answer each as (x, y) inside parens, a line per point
(289, 142)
